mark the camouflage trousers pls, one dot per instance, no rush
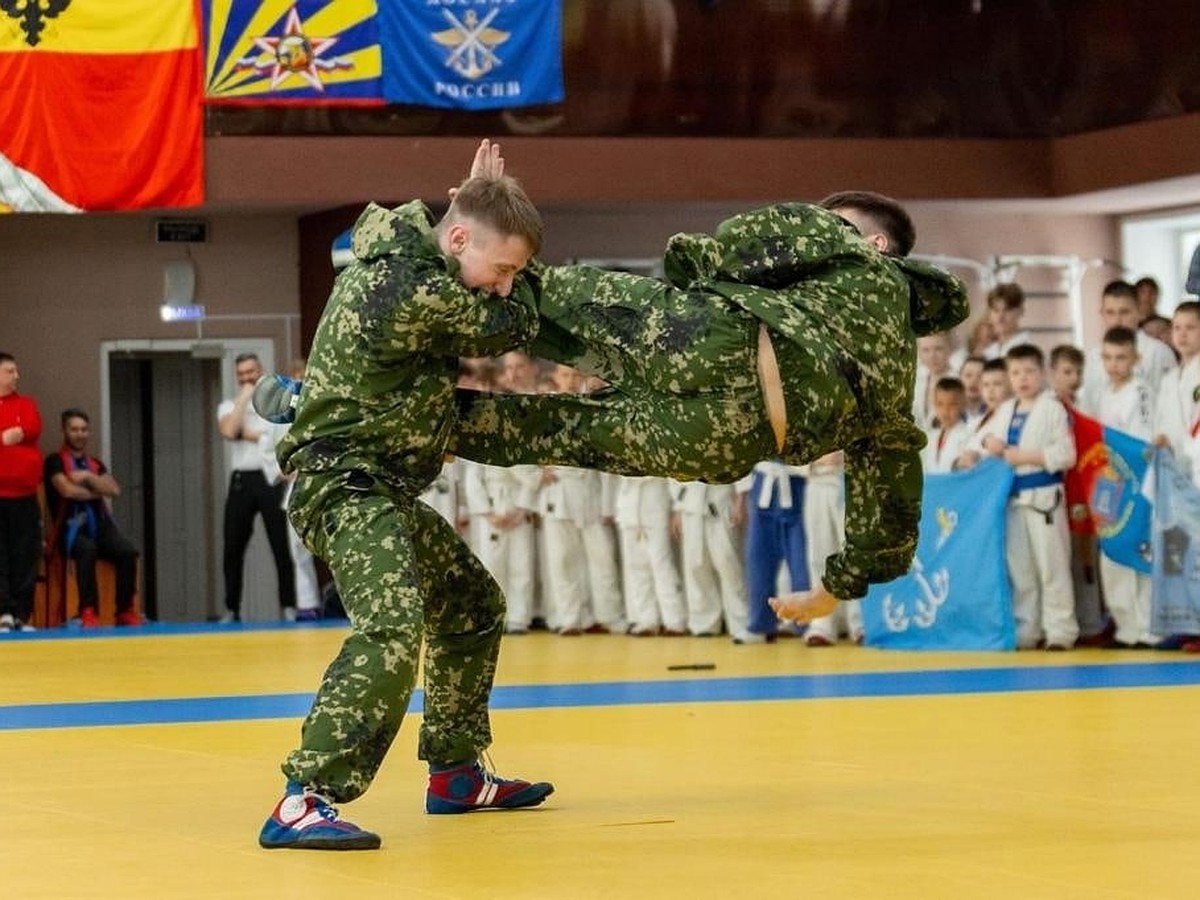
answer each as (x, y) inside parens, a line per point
(686, 400)
(715, 438)
(403, 575)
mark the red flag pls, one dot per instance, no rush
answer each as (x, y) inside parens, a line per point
(100, 105)
(1091, 457)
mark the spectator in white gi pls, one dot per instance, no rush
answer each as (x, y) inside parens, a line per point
(1031, 433)
(654, 601)
(1119, 306)
(707, 519)
(946, 441)
(824, 520)
(501, 504)
(1006, 307)
(1177, 407)
(582, 588)
(933, 354)
(1126, 405)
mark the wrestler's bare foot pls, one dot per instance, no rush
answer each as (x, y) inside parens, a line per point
(804, 606)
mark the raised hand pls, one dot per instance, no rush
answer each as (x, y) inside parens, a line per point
(488, 162)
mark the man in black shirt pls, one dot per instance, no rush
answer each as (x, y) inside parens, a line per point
(78, 490)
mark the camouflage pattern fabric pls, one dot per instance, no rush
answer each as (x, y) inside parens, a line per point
(682, 361)
(369, 435)
(378, 392)
(403, 575)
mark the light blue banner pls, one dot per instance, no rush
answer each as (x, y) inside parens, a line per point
(1175, 591)
(956, 596)
(472, 54)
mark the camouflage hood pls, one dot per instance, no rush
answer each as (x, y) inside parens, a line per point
(937, 300)
(382, 232)
(782, 245)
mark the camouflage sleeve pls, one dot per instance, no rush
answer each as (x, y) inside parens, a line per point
(883, 508)
(448, 318)
(591, 316)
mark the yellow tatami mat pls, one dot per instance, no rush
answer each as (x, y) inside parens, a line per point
(783, 771)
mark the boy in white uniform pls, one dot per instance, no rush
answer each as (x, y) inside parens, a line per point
(933, 354)
(1030, 432)
(600, 548)
(1177, 407)
(1066, 373)
(1126, 405)
(1118, 306)
(1006, 306)
(500, 503)
(946, 442)
(993, 390)
(1095, 627)
(706, 518)
(824, 517)
(1177, 411)
(582, 589)
(653, 595)
(970, 374)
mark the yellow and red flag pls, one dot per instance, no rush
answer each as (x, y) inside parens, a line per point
(100, 105)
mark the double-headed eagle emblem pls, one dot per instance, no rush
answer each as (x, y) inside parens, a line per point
(31, 15)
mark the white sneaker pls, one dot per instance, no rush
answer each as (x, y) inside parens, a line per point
(227, 618)
(23, 626)
(7, 623)
(289, 614)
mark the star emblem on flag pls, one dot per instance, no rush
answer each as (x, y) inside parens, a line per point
(294, 53)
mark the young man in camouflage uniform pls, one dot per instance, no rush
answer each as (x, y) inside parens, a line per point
(790, 333)
(369, 435)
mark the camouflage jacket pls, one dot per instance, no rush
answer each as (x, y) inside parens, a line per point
(855, 313)
(379, 388)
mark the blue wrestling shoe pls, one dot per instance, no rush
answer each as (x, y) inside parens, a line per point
(304, 820)
(275, 398)
(470, 786)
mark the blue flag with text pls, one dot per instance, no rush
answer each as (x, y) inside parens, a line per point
(472, 54)
(956, 595)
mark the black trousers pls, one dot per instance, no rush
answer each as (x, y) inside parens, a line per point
(111, 545)
(249, 496)
(20, 549)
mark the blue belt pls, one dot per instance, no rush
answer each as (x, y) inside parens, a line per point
(1034, 480)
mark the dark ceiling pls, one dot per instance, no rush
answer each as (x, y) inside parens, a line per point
(827, 68)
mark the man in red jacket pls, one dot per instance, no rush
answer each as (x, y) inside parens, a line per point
(20, 518)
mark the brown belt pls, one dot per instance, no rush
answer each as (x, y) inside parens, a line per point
(772, 386)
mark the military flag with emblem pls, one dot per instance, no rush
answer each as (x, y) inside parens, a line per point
(472, 56)
(292, 51)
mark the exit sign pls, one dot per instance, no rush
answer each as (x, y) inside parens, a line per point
(181, 231)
